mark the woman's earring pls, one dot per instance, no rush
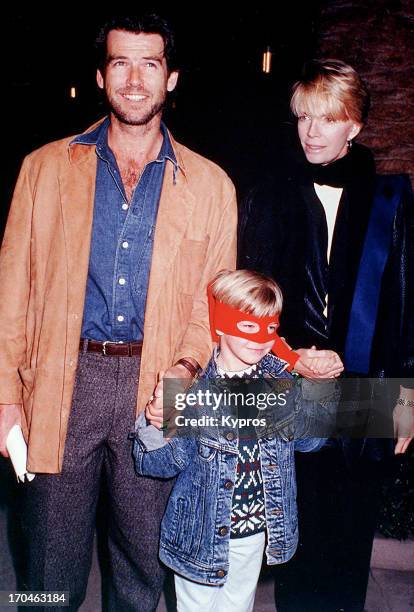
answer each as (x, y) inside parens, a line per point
(349, 143)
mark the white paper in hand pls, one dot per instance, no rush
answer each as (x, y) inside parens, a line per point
(17, 449)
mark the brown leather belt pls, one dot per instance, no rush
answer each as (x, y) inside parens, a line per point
(124, 349)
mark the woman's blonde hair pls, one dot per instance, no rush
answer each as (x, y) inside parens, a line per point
(248, 291)
(330, 88)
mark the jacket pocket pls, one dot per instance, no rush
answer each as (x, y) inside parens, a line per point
(179, 520)
(184, 528)
(206, 453)
(190, 263)
(184, 522)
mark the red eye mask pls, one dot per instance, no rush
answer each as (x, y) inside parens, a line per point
(225, 318)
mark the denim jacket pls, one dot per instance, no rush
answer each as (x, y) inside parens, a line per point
(195, 529)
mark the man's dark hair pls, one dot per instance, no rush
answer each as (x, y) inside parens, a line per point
(149, 23)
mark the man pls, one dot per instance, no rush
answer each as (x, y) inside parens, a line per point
(111, 240)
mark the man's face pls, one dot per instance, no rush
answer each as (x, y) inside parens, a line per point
(136, 78)
(238, 353)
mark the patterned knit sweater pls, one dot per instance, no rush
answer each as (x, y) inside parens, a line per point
(248, 508)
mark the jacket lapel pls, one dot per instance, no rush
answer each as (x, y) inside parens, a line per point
(77, 187)
(174, 213)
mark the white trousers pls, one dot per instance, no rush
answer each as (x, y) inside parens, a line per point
(237, 594)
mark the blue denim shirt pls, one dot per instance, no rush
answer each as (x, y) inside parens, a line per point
(195, 530)
(121, 243)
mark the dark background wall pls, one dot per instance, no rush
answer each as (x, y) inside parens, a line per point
(377, 37)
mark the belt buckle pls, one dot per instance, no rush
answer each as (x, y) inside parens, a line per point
(105, 342)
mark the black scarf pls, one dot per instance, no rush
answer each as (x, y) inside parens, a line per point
(355, 166)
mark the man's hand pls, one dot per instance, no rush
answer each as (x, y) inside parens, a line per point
(316, 364)
(10, 415)
(155, 409)
(404, 421)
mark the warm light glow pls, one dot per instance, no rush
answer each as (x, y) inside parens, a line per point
(73, 92)
(267, 61)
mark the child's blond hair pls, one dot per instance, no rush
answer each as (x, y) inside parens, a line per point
(248, 291)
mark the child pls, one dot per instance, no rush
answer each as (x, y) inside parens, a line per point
(234, 488)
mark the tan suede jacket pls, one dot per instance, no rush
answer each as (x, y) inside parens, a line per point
(43, 270)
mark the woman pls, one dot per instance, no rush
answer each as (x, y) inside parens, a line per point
(340, 242)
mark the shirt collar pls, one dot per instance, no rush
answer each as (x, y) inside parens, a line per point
(99, 137)
(249, 371)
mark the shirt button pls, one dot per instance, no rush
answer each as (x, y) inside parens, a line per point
(229, 436)
(122, 281)
(228, 485)
(223, 531)
(220, 573)
(125, 245)
(125, 206)
(120, 318)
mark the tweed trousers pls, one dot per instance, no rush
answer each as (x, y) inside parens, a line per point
(59, 511)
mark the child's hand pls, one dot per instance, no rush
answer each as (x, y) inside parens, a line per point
(318, 364)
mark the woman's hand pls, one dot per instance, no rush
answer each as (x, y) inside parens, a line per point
(318, 364)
